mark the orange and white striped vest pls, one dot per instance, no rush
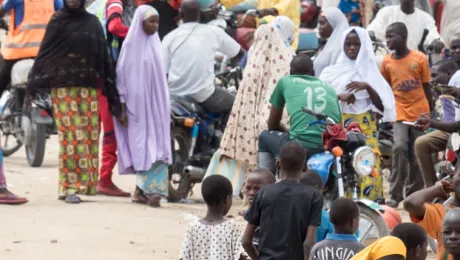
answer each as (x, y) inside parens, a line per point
(24, 40)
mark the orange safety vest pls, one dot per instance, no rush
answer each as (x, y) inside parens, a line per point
(24, 40)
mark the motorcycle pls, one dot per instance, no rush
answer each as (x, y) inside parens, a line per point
(340, 167)
(195, 137)
(23, 120)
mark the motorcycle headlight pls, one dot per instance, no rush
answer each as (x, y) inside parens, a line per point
(364, 160)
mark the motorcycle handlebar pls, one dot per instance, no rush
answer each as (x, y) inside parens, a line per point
(314, 113)
(422, 41)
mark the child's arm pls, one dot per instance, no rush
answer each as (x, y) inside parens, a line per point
(429, 95)
(247, 242)
(425, 78)
(415, 203)
(309, 242)
(315, 213)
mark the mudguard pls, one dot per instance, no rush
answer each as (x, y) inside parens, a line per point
(38, 118)
(370, 204)
(321, 163)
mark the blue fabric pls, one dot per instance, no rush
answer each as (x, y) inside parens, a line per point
(244, 60)
(347, 6)
(341, 237)
(155, 180)
(449, 110)
(18, 6)
(326, 228)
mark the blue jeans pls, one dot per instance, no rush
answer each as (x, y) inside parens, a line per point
(270, 143)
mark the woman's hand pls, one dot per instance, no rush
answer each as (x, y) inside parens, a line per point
(356, 86)
(123, 118)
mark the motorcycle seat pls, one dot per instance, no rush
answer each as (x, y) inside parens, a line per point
(190, 105)
(20, 72)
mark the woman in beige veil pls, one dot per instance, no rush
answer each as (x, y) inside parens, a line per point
(268, 61)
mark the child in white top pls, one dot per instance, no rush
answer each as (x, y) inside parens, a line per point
(214, 236)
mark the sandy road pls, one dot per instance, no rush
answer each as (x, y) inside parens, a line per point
(104, 228)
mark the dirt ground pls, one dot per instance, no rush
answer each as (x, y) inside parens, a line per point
(103, 228)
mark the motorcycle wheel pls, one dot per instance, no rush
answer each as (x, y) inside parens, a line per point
(35, 151)
(179, 184)
(10, 149)
(371, 226)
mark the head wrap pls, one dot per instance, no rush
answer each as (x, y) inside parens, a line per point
(363, 69)
(285, 28)
(328, 56)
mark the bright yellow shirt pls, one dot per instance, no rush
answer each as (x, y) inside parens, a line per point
(383, 247)
(230, 3)
(289, 8)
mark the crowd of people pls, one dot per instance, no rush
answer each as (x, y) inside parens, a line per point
(100, 66)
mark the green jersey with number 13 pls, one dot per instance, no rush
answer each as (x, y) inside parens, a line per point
(297, 91)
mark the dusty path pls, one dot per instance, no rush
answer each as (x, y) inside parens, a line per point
(103, 229)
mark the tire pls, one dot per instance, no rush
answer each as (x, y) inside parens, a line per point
(36, 151)
(376, 218)
(9, 151)
(182, 136)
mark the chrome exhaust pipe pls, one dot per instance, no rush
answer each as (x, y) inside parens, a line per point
(196, 174)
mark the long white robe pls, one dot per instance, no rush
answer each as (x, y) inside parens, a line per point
(450, 20)
(416, 23)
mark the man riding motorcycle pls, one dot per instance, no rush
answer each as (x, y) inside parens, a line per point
(26, 28)
(189, 58)
(298, 90)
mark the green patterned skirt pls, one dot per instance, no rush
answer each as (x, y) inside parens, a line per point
(75, 111)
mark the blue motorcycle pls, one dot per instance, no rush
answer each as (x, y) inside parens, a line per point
(195, 137)
(340, 168)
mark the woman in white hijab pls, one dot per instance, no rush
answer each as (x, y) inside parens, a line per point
(331, 25)
(362, 92)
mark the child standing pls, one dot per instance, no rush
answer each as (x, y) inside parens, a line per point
(430, 215)
(214, 236)
(407, 242)
(408, 74)
(287, 212)
(311, 178)
(342, 244)
(451, 233)
(255, 181)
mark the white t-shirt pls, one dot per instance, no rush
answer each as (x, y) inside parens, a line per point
(328, 3)
(455, 82)
(415, 22)
(190, 55)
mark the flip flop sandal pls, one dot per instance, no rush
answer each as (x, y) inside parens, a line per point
(12, 199)
(72, 199)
